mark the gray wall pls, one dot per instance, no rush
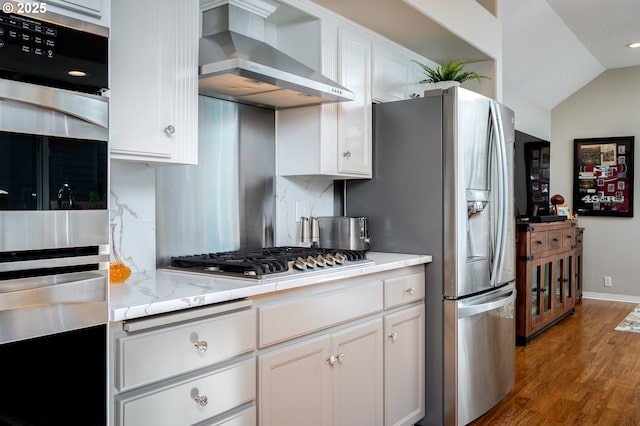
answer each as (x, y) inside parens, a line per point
(608, 106)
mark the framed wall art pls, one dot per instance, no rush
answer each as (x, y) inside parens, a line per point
(603, 176)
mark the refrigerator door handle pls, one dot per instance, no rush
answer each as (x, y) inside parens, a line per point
(475, 309)
(497, 139)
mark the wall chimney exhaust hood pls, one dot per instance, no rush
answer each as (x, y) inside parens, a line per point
(244, 69)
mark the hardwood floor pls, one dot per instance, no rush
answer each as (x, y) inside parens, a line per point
(579, 372)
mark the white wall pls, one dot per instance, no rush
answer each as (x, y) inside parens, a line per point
(530, 117)
(608, 106)
(132, 207)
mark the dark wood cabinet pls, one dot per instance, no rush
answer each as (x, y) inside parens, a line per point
(549, 280)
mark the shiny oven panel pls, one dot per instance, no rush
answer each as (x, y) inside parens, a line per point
(53, 149)
(54, 226)
(52, 290)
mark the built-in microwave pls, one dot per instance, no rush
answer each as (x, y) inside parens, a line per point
(52, 50)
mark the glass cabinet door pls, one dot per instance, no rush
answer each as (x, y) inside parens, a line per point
(559, 277)
(566, 277)
(535, 290)
(546, 288)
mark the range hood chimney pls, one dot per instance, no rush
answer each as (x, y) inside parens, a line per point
(244, 69)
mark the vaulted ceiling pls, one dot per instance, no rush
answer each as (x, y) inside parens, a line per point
(551, 48)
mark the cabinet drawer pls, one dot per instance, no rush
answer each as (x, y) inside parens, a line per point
(246, 417)
(568, 237)
(150, 356)
(175, 405)
(403, 290)
(539, 243)
(283, 321)
(554, 239)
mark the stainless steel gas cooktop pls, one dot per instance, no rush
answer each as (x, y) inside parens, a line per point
(271, 262)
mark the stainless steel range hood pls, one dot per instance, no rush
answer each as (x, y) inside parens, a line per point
(240, 68)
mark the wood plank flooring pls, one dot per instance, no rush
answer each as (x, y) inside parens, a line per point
(579, 372)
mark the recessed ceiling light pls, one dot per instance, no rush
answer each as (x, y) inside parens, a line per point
(634, 44)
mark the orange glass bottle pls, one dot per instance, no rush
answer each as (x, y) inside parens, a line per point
(118, 271)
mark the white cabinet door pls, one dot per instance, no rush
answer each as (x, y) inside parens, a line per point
(334, 380)
(358, 378)
(295, 385)
(391, 74)
(354, 117)
(404, 366)
(154, 95)
(93, 11)
(335, 139)
(87, 7)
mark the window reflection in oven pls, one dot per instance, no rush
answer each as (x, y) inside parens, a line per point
(52, 173)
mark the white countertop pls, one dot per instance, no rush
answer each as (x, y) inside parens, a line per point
(163, 291)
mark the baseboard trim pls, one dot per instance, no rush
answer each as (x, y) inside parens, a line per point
(610, 297)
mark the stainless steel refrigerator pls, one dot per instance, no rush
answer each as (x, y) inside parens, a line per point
(443, 185)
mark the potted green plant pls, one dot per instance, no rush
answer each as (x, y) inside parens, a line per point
(448, 74)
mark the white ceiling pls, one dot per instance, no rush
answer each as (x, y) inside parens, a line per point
(551, 48)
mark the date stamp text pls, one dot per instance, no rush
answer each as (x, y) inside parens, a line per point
(24, 7)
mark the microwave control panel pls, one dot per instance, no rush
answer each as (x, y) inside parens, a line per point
(46, 53)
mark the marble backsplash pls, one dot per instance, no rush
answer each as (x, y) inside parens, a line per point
(132, 208)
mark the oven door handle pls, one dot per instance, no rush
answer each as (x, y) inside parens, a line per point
(88, 288)
(93, 109)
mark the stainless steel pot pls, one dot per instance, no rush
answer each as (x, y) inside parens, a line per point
(342, 232)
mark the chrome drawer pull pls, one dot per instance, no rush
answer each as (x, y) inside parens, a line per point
(332, 359)
(201, 346)
(341, 357)
(394, 336)
(410, 290)
(169, 130)
(202, 401)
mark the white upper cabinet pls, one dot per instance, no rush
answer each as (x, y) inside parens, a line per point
(395, 74)
(154, 72)
(335, 139)
(93, 11)
(354, 117)
(391, 72)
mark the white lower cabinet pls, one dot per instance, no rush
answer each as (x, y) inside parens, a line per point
(350, 355)
(340, 353)
(403, 366)
(330, 380)
(190, 401)
(186, 368)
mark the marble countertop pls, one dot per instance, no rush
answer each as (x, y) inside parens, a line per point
(161, 291)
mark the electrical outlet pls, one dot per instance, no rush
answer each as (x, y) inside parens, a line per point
(607, 281)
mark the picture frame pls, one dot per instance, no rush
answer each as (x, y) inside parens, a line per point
(603, 176)
(564, 210)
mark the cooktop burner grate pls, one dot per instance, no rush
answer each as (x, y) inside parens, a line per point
(266, 261)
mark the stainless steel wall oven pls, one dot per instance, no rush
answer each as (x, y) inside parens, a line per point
(54, 226)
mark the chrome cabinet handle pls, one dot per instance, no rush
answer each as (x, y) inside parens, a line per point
(336, 358)
(346, 154)
(202, 401)
(201, 346)
(169, 130)
(394, 336)
(409, 290)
